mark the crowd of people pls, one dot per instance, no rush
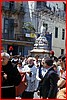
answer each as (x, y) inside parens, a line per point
(46, 76)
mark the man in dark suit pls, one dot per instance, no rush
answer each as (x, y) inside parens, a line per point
(48, 86)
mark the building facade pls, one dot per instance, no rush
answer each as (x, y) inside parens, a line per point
(22, 20)
(52, 17)
(13, 33)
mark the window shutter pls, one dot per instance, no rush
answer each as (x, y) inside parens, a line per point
(11, 28)
(6, 5)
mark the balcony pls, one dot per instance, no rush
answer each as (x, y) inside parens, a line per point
(21, 37)
(48, 10)
(13, 9)
(60, 14)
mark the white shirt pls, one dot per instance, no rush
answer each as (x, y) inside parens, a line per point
(36, 63)
(59, 68)
(31, 80)
(44, 71)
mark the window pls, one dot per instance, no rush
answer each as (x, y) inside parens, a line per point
(11, 28)
(63, 34)
(6, 25)
(8, 30)
(53, 8)
(62, 51)
(21, 7)
(57, 6)
(11, 5)
(8, 5)
(44, 3)
(38, 4)
(64, 6)
(46, 26)
(56, 32)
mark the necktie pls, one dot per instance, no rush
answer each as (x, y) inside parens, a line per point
(40, 73)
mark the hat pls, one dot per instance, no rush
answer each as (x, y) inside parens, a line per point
(49, 62)
(52, 52)
(4, 54)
